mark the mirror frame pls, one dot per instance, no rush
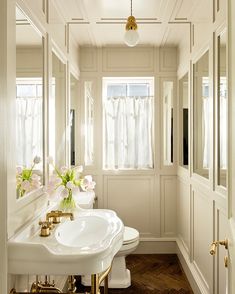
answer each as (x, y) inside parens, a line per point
(181, 122)
(223, 30)
(19, 203)
(59, 54)
(161, 115)
(194, 110)
(75, 75)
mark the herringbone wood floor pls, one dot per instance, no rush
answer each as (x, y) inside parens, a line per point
(154, 274)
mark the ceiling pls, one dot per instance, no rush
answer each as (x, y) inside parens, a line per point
(26, 34)
(160, 22)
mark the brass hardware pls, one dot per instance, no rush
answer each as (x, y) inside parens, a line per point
(44, 287)
(226, 261)
(97, 279)
(95, 284)
(46, 226)
(131, 23)
(55, 215)
(216, 243)
(13, 291)
(104, 274)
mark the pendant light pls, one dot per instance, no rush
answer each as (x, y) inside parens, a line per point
(131, 37)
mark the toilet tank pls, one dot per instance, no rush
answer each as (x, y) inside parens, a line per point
(85, 199)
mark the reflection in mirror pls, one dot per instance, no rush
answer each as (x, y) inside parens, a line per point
(74, 108)
(184, 120)
(201, 131)
(167, 122)
(29, 105)
(222, 110)
(57, 113)
(89, 123)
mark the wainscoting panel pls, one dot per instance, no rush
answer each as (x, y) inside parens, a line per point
(168, 206)
(168, 60)
(183, 213)
(29, 62)
(202, 237)
(88, 59)
(221, 233)
(133, 200)
(128, 59)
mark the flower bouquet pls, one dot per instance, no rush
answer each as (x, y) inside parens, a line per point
(26, 179)
(68, 181)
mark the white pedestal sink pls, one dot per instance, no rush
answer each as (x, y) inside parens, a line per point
(85, 245)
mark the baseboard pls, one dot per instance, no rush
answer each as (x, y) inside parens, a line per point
(156, 247)
(193, 277)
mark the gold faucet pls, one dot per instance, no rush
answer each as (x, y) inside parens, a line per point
(55, 215)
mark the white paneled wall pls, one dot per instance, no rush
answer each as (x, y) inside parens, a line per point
(202, 234)
(183, 213)
(168, 206)
(143, 199)
(202, 214)
(132, 197)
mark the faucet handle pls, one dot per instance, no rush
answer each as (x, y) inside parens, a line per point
(46, 226)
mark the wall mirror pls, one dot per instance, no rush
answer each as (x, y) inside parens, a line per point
(89, 123)
(73, 120)
(222, 110)
(167, 122)
(201, 116)
(184, 120)
(57, 112)
(29, 106)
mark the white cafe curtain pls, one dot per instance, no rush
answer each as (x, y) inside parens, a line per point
(128, 133)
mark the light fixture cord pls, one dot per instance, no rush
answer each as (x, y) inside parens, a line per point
(131, 7)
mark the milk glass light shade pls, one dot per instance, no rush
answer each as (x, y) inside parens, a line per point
(131, 38)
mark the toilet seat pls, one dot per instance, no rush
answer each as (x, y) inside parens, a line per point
(131, 235)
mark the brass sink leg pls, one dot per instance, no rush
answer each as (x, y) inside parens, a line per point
(106, 284)
(95, 284)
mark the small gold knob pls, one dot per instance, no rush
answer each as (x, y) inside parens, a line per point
(216, 243)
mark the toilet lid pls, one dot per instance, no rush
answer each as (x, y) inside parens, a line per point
(130, 235)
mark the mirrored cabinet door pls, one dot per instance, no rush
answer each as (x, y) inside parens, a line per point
(167, 110)
(201, 116)
(73, 120)
(29, 106)
(222, 110)
(57, 112)
(184, 120)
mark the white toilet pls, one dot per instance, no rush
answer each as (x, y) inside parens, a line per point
(120, 276)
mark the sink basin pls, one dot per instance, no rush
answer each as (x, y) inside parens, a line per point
(86, 245)
(85, 233)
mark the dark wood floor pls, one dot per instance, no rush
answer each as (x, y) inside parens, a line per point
(153, 274)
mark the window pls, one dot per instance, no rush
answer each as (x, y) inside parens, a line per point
(128, 105)
(29, 139)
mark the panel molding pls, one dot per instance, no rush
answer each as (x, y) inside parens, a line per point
(202, 235)
(88, 59)
(168, 60)
(119, 59)
(125, 193)
(168, 204)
